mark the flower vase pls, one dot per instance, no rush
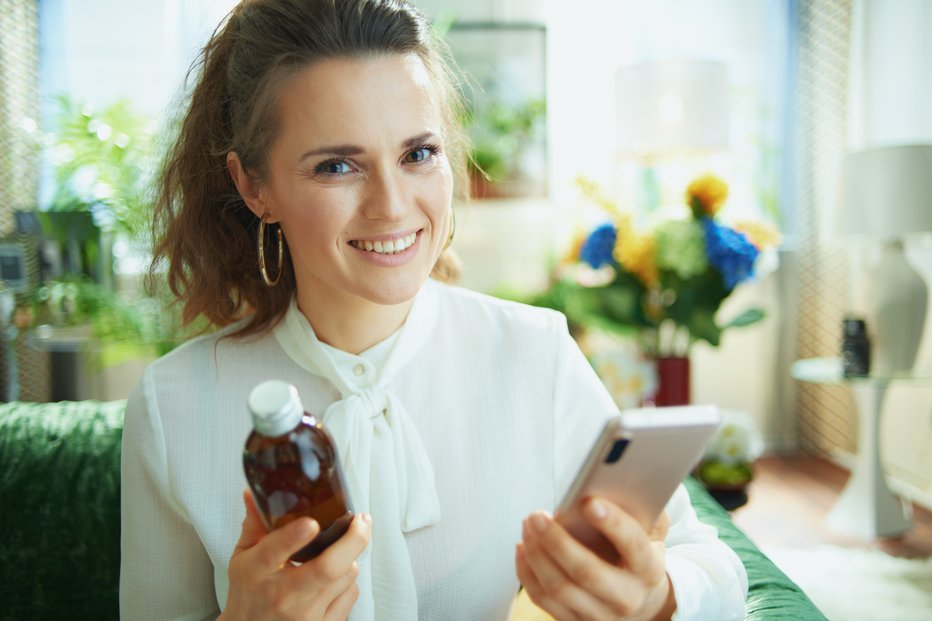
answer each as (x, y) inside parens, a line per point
(672, 381)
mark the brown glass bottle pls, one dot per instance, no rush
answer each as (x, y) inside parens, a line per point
(292, 467)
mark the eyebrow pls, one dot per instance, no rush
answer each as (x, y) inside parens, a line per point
(350, 149)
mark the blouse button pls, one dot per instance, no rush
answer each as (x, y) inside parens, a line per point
(359, 369)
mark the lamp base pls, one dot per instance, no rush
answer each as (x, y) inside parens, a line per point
(898, 300)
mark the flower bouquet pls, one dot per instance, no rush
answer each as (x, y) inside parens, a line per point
(665, 283)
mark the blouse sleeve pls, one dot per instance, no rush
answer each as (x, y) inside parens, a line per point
(165, 572)
(581, 407)
(709, 580)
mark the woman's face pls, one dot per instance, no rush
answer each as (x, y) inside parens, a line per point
(359, 180)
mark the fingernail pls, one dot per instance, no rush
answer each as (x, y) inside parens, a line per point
(597, 510)
(304, 528)
(539, 522)
(367, 519)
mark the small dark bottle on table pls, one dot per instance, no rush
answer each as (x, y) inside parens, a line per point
(855, 348)
(292, 467)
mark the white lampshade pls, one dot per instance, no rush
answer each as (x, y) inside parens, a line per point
(887, 191)
(667, 107)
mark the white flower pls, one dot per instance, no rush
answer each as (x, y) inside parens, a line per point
(737, 439)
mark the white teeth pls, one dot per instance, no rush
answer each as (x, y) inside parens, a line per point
(387, 247)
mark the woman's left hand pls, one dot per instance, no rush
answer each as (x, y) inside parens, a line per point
(571, 582)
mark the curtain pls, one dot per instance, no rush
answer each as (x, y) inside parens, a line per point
(823, 30)
(23, 374)
(19, 108)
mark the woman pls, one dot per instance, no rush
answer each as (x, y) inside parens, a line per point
(304, 208)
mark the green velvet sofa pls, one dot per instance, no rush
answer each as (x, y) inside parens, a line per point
(60, 519)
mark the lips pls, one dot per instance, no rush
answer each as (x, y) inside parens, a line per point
(383, 246)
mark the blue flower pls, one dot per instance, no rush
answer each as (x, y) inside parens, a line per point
(598, 247)
(729, 252)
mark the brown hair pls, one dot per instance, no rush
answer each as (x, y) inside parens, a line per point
(202, 228)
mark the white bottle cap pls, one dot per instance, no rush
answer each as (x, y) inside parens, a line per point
(275, 407)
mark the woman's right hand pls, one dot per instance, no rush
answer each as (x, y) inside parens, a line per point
(264, 585)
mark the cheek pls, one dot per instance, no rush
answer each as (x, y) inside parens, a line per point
(441, 194)
(313, 223)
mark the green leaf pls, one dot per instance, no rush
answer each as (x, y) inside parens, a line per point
(747, 318)
(701, 325)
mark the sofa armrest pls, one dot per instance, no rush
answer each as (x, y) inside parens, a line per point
(771, 594)
(60, 509)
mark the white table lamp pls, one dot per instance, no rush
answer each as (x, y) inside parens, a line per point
(887, 194)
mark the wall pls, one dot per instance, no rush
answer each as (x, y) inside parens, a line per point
(111, 49)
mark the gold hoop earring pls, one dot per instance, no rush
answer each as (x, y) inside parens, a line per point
(271, 282)
(452, 228)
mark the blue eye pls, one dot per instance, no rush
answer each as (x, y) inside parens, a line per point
(421, 154)
(333, 167)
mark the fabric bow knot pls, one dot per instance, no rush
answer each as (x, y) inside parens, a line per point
(387, 468)
(374, 417)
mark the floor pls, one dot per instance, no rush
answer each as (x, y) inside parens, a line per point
(790, 497)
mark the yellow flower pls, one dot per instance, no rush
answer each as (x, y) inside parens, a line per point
(705, 195)
(623, 225)
(635, 253)
(762, 234)
(576, 244)
(593, 192)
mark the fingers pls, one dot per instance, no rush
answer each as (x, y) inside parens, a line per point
(574, 575)
(635, 547)
(253, 529)
(263, 584)
(281, 544)
(337, 559)
(535, 589)
(343, 594)
(568, 580)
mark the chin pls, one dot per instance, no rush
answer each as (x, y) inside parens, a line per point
(395, 291)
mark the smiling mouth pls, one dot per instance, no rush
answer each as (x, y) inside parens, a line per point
(393, 246)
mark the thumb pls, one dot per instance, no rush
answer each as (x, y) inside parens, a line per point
(253, 529)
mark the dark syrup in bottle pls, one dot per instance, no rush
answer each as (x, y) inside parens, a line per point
(292, 467)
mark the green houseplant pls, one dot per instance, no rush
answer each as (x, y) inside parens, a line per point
(102, 164)
(499, 134)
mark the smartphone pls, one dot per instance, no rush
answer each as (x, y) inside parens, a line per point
(637, 462)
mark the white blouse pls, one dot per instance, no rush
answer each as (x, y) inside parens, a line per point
(504, 402)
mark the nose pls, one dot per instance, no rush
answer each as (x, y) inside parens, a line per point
(386, 196)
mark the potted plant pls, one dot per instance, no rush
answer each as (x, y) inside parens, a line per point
(500, 134)
(726, 468)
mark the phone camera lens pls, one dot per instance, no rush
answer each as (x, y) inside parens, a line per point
(617, 449)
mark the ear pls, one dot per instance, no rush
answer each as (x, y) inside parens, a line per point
(248, 189)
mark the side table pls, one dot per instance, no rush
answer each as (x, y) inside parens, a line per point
(65, 346)
(866, 508)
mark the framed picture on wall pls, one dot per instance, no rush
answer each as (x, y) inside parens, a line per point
(505, 89)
